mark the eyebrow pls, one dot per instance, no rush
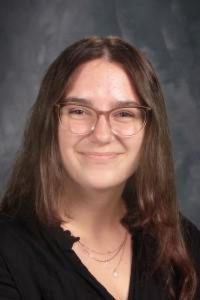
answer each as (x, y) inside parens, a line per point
(117, 103)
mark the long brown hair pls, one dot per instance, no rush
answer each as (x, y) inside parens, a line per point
(37, 176)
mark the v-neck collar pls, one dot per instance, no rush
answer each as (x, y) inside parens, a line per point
(65, 239)
(140, 286)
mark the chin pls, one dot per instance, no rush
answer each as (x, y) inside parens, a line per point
(99, 187)
(101, 183)
(99, 178)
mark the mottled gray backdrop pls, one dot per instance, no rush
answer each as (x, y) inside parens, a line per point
(32, 34)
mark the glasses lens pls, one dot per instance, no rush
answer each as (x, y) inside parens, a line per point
(128, 121)
(77, 118)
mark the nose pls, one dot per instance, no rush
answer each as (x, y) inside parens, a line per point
(102, 132)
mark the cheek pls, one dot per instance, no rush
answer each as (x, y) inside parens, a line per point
(66, 144)
(134, 151)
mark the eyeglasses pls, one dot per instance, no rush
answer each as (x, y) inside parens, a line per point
(81, 119)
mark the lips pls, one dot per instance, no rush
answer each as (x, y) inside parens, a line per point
(101, 153)
(100, 156)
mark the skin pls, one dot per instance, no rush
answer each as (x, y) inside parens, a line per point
(98, 164)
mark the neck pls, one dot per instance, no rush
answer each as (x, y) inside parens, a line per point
(94, 211)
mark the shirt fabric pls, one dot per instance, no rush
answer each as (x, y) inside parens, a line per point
(37, 262)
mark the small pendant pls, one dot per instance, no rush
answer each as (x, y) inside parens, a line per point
(115, 274)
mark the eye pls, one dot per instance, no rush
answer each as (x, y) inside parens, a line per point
(76, 111)
(123, 114)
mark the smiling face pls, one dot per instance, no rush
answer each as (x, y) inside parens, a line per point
(100, 160)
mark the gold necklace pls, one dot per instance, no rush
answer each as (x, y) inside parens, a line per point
(115, 274)
(103, 260)
(89, 250)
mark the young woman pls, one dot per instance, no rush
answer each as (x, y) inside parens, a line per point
(90, 211)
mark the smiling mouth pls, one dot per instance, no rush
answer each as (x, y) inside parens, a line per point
(100, 156)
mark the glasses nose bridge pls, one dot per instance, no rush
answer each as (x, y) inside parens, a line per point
(105, 113)
(102, 131)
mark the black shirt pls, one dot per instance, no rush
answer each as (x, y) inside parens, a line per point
(37, 262)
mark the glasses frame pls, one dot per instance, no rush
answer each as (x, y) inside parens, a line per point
(107, 114)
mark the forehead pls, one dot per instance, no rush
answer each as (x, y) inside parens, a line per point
(102, 80)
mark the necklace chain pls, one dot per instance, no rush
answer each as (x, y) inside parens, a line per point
(112, 254)
(115, 252)
(101, 253)
(114, 271)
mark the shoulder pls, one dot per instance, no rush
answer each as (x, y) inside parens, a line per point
(7, 225)
(9, 230)
(192, 239)
(190, 232)
(14, 231)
